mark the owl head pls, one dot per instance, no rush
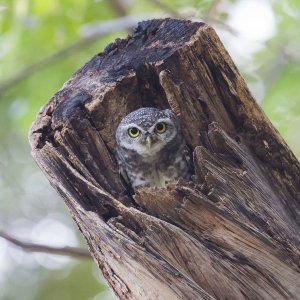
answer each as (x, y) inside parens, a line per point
(147, 130)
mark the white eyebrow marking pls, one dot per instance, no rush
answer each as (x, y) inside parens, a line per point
(127, 126)
(165, 120)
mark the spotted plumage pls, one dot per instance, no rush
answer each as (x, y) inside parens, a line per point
(151, 150)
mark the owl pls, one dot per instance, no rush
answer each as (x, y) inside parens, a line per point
(151, 150)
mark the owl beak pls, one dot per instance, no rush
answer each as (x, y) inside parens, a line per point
(149, 140)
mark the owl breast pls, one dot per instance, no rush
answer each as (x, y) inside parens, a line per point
(159, 172)
(154, 177)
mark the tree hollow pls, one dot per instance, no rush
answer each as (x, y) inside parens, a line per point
(231, 233)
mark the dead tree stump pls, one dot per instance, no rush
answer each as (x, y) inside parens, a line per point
(232, 233)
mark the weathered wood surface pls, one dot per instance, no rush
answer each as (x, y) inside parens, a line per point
(232, 233)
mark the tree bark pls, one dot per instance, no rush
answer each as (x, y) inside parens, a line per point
(231, 233)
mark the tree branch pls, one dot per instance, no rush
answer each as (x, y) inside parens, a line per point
(33, 247)
(168, 9)
(90, 35)
(120, 7)
(213, 11)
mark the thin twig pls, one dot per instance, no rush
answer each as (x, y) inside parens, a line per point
(33, 247)
(120, 7)
(212, 16)
(90, 37)
(168, 9)
(212, 12)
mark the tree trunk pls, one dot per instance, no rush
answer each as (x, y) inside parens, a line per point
(231, 233)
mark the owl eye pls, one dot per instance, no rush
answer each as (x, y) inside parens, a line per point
(161, 127)
(133, 132)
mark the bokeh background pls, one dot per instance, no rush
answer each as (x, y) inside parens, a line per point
(42, 42)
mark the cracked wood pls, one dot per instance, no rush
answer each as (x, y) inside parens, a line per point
(231, 233)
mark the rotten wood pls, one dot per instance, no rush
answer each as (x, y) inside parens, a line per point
(231, 233)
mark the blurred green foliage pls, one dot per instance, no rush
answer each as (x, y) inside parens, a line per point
(32, 30)
(79, 284)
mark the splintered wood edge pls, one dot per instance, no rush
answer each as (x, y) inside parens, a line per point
(256, 121)
(41, 132)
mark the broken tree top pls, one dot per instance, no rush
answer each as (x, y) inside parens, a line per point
(233, 232)
(148, 44)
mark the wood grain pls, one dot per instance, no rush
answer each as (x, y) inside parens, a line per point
(231, 233)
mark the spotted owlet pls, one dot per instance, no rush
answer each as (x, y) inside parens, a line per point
(151, 150)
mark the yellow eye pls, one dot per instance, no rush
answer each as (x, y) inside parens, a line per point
(161, 127)
(133, 132)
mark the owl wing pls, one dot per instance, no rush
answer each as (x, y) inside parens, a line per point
(122, 172)
(187, 156)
